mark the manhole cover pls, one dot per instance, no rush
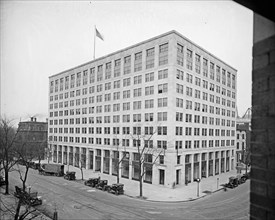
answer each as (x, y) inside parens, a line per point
(77, 206)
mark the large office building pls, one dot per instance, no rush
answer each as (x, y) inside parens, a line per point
(165, 93)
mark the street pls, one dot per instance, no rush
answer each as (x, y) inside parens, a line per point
(74, 200)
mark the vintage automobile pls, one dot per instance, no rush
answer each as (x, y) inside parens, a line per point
(92, 182)
(28, 198)
(101, 184)
(2, 181)
(233, 182)
(246, 176)
(116, 188)
(70, 175)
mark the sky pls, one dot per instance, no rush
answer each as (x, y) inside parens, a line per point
(43, 38)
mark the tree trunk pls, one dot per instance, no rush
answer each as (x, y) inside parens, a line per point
(140, 187)
(140, 180)
(7, 181)
(17, 209)
(81, 173)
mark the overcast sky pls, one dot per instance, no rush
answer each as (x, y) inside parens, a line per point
(42, 38)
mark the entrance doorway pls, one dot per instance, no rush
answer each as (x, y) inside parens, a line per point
(161, 176)
(178, 177)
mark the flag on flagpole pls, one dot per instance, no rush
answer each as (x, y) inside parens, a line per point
(99, 35)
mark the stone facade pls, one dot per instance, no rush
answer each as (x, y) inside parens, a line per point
(166, 86)
(262, 195)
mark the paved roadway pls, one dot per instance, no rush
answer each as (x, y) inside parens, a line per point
(74, 200)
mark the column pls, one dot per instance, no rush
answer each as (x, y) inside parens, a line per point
(87, 158)
(207, 164)
(130, 167)
(200, 164)
(192, 167)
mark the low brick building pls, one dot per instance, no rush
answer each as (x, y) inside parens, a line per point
(33, 133)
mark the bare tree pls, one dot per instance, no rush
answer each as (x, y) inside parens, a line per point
(8, 136)
(9, 211)
(117, 159)
(80, 161)
(26, 153)
(146, 156)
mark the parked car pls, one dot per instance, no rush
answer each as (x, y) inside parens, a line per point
(246, 176)
(70, 175)
(233, 182)
(117, 189)
(2, 181)
(92, 182)
(101, 184)
(28, 198)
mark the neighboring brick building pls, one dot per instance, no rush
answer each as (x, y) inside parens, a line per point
(262, 195)
(165, 84)
(243, 140)
(33, 133)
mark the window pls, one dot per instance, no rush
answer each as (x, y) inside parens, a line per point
(149, 90)
(189, 78)
(188, 118)
(179, 102)
(180, 55)
(138, 62)
(163, 88)
(126, 94)
(127, 65)
(126, 118)
(162, 74)
(179, 88)
(189, 59)
(179, 116)
(136, 105)
(108, 70)
(117, 84)
(149, 103)
(137, 79)
(180, 75)
(162, 130)
(117, 68)
(162, 144)
(126, 82)
(136, 117)
(163, 54)
(149, 116)
(162, 116)
(149, 77)
(188, 104)
(137, 92)
(150, 58)
(162, 102)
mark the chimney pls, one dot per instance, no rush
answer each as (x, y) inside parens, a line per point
(31, 118)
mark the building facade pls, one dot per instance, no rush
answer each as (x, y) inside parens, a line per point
(167, 87)
(34, 133)
(243, 140)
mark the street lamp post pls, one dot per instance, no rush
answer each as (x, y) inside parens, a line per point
(198, 188)
(217, 183)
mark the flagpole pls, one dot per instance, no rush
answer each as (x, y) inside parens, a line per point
(94, 41)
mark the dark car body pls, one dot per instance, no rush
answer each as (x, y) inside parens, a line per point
(2, 181)
(233, 182)
(92, 182)
(116, 188)
(101, 184)
(28, 198)
(69, 175)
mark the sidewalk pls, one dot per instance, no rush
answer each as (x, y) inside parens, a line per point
(159, 192)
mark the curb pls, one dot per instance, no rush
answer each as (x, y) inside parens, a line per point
(163, 201)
